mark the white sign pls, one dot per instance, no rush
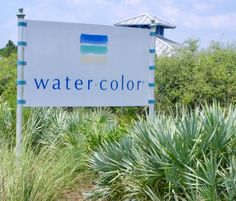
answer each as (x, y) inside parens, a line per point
(71, 64)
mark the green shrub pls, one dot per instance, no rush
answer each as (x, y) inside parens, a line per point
(100, 125)
(8, 79)
(193, 76)
(70, 128)
(190, 156)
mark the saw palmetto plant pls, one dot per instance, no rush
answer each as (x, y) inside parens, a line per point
(188, 156)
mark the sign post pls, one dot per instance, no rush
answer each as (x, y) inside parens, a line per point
(152, 68)
(20, 80)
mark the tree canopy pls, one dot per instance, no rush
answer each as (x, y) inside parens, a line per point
(9, 48)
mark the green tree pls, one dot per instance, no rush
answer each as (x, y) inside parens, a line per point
(8, 49)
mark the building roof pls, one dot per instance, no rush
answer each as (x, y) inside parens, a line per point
(144, 19)
(169, 42)
(166, 47)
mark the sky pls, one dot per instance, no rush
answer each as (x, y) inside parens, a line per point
(207, 20)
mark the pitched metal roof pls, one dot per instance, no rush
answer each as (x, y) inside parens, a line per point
(169, 42)
(144, 19)
(166, 47)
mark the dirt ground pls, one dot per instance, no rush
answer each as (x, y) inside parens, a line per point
(79, 192)
(73, 196)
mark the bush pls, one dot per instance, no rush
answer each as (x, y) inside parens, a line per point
(70, 128)
(193, 76)
(190, 156)
(8, 79)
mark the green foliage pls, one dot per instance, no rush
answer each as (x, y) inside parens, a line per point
(7, 123)
(9, 49)
(189, 156)
(100, 125)
(193, 76)
(56, 145)
(8, 78)
(8, 73)
(44, 169)
(42, 176)
(50, 125)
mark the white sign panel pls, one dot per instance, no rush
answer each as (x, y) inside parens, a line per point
(71, 64)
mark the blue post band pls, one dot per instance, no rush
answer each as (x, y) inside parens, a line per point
(21, 63)
(151, 102)
(21, 82)
(153, 33)
(22, 24)
(21, 102)
(152, 67)
(22, 43)
(151, 84)
(152, 51)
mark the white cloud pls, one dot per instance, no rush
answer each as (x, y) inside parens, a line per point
(168, 10)
(194, 20)
(131, 2)
(77, 2)
(226, 21)
(223, 21)
(202, 7)
(91, 2)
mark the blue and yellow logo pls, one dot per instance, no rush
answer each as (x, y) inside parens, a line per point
(93, 49)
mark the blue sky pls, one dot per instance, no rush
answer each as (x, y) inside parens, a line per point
(206, 20)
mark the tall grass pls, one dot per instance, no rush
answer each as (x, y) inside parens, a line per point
(190, 156)
(52, 155)
(55, 147)
(37, 176)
